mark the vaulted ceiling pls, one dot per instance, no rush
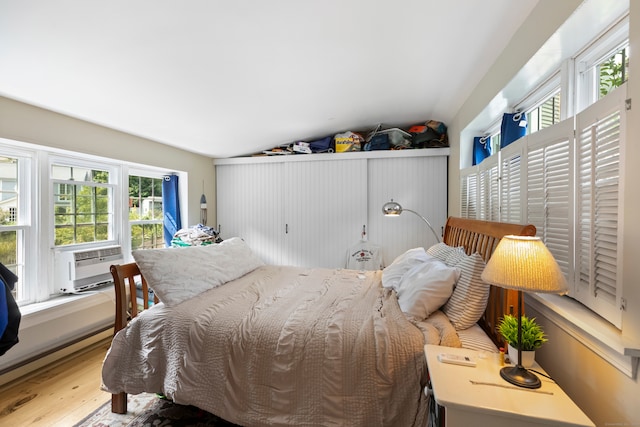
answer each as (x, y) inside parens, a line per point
(229, 78)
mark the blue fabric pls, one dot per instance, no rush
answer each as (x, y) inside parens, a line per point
(481, 149)
(4, 310)
(170, 207)
(514, 126)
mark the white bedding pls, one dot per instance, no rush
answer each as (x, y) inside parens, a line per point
(283, 346)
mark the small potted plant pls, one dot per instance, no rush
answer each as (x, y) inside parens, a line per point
(532, 337)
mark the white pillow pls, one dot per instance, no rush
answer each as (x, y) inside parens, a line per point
(443, 252)
(180, 273)
(393, 273)
(426, 287)
(469, 298)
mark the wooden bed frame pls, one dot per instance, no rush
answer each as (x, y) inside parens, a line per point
(474, 235)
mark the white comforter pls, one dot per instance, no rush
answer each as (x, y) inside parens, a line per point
(281, 346)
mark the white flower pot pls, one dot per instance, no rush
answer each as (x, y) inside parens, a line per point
(528, 357)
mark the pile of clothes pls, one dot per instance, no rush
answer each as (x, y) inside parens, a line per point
(198, 235)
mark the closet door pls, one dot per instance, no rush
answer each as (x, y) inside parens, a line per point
(250, 205)
(325, 210)
(417, 183)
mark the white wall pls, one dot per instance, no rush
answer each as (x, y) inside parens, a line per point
(55, 326)
(604, 393)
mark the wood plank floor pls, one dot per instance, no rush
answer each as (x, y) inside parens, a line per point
(57, 395)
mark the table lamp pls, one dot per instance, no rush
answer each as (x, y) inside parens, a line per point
(523, 263)
(394, 209)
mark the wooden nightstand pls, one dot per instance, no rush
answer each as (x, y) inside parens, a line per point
(492, 401)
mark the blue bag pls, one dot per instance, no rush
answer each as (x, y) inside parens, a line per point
(323, 145)
(379, 141)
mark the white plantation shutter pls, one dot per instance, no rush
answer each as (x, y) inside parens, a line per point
(600, 129)
(469, 192)
(510, 183)
(568, 185)
(549, 195)
(488, 189)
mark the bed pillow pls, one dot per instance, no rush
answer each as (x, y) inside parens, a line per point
(469, 298)
(443, 252)
(180, 273)
(426, 287)
(393, 273)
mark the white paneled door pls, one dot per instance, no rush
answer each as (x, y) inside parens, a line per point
(325, 210)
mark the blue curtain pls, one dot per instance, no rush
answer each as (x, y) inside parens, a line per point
(481, 149)
(171, 208)
(514, 126)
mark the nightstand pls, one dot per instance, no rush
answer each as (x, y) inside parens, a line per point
(491, 401)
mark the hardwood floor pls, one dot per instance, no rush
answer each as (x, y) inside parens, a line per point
(57, 395)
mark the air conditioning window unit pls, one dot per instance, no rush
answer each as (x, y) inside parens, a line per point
(77, 271)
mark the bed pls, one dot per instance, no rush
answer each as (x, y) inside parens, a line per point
(278, 345)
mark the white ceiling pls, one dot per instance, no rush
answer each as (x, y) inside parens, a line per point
(228, 78)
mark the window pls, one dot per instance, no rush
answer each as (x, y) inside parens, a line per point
(16, 216)
(145, 212)
(602, 66)
(83, 204)
(613, 72)
(545, 114)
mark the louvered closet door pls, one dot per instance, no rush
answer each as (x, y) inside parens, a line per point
(417, 183)
(325, 209)
(250, 205)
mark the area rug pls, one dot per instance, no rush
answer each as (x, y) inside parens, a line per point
(149, 410)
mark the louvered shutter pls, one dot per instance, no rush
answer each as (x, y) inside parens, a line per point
(549, 195)
(599, 138)
(468, 192)
(488, 189)
(511, 182)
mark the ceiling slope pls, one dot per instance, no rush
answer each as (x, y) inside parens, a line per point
(226, 78)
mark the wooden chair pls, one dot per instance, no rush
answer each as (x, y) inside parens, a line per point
(125, 277)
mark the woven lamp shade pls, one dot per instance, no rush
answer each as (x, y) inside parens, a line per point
(524, 263)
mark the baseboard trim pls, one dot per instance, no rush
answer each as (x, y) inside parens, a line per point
(49, 358)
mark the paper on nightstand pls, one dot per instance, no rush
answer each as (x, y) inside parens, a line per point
(456, 359)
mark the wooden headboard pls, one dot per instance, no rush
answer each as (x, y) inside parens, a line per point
(483, 237)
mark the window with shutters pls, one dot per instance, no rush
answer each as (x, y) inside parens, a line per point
(564, 176)
(581, 231)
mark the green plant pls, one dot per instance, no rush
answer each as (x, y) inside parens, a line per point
(532, 334)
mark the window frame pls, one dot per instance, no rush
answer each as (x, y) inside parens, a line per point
(114, 189)
(143, 172)
(585, 79)
(25, 221)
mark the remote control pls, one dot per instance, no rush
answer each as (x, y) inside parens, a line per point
(456, 360)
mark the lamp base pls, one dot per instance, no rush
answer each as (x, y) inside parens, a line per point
(519, 376)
